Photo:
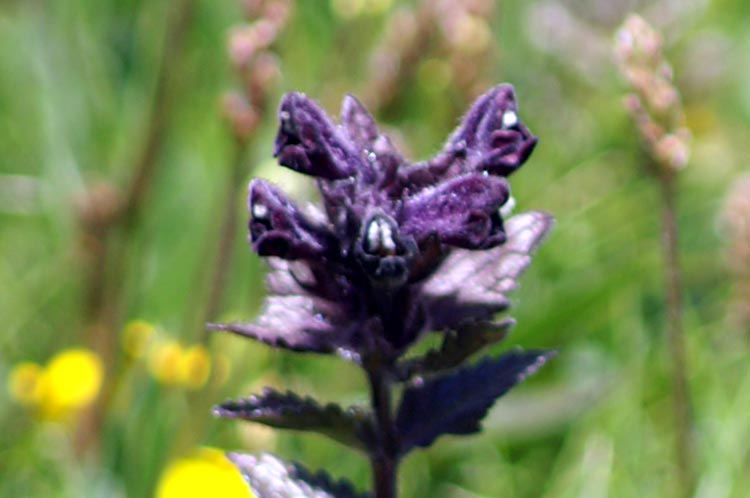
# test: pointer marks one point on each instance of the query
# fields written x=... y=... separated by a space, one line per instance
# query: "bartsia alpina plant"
x=398 y=250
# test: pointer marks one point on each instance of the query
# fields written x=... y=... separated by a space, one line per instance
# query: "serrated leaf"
x=471 y=286
x=457 y=346
x=298 y=323
x=455 y=403
x=350 y=426
x=271 y=477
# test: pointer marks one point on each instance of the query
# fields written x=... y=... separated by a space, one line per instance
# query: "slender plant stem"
x=676 y=335
x=194 y=425
x=227 y=236
x=385 y=460
x=180 y=17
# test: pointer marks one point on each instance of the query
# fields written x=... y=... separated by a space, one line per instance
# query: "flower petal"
x=377 y=149
x=279 y=228
x=492 y=134
x=491 y=138
x=462 y=211
x=358 y=122
x=308 y=142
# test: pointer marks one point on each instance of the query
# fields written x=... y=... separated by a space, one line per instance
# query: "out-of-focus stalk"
x=450 y=39
x=257 y=67
x=108 y=219
x=656 y=109
x=735 y=222
x=258 y=70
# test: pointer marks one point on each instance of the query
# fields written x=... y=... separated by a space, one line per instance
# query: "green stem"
x=106 y=271
x=227 y=235
x=676 y=334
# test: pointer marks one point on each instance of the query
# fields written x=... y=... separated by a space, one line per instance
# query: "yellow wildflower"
x=70 y=381
x=165 y=363
x=195 y=367
x=136 y=337
x=207 y=472
x=23 y=383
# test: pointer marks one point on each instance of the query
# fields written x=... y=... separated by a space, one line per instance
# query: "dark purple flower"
x=399 y=249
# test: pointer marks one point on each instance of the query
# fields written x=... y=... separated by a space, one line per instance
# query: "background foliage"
x=77 y=85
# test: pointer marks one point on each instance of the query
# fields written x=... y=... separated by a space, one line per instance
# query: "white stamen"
x=380 y=236
x=386 y=237
x=371 y=157
x=510 y=119
x=507 y=208
x=260 y=211
x=373 y=235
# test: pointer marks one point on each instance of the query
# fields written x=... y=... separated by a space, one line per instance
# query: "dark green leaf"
x=350 y=426
x=455 y=403
x=456 y=347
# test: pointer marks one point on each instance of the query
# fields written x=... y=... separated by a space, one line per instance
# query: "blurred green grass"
x=76 y=80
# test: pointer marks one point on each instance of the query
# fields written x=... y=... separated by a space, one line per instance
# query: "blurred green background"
x=83 y=105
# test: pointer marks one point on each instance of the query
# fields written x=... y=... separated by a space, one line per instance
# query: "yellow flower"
x=207 y=472
x=23 y=383
x=165 y=363
x=136 y=337
x=70 y=381
x=174 y=365
x=195 y=367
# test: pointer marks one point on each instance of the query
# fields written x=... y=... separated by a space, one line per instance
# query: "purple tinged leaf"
x=297 y=323
x=471 y=286
x=461 y=211
x=309 y=143
x=351 y=427
x=270 y=477
x=457 y=347
x=455 y=403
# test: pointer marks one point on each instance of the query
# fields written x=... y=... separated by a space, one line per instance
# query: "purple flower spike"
x=398 y=248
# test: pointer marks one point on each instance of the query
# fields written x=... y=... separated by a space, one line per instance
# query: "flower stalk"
x=385 y=460
x=657 y=111
x=250 y=47
x=676 y=333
